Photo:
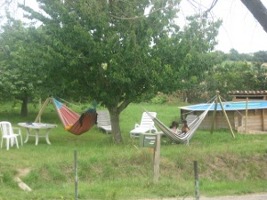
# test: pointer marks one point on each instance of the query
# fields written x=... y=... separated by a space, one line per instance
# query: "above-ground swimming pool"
x=229 y=105
x=244 y=116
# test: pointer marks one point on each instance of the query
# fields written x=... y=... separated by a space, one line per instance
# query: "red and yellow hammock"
x=72 y=121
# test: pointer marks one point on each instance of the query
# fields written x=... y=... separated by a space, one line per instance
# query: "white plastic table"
x=34 y=130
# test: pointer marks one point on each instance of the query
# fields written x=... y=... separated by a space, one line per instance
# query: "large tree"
x=110 y=49
x=22 y=63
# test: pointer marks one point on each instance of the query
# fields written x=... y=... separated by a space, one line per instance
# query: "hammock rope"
x=208 y=102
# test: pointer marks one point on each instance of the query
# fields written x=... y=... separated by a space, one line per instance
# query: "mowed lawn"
x=125 y=171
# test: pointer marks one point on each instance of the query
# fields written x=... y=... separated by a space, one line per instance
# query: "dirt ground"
x=260 y=196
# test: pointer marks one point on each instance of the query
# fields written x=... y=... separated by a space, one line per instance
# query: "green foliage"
x=114 y=56
x=260 y=56
x=24 y=58
x=159 y=99
x=239 y=75
x=187 y=57
x=15 y=77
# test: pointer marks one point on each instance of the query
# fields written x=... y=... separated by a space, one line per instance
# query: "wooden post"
x=214 y=116
x=246 y=119
x=225 y=115
x=156 y=159
x=262 y=120
x=196 y=180
x=76 y=175
x=38 y=117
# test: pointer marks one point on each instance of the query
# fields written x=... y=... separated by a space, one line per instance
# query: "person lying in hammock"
x=174 y=127
x=185 y=127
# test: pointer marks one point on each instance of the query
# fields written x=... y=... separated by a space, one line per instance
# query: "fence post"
x=196 y=180
x=76 y=174
x=156 y=159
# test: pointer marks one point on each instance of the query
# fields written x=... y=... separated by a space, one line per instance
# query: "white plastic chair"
x=8 y=134
x=146 y=125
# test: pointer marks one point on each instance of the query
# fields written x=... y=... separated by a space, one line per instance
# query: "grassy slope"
x=108 y=171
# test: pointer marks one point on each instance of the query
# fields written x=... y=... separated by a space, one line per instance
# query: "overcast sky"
x=240 y=30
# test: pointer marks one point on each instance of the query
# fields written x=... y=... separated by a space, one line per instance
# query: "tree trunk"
x=258 y=10
x=115 y=124
x=24 y=107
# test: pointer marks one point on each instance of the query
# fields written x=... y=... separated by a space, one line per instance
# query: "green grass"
x=108 y=171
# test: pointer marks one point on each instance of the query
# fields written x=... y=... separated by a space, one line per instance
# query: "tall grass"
x=110 y=171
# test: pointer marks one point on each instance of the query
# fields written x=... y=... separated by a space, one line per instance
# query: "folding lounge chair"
x=103 y=121
x=146 y=125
